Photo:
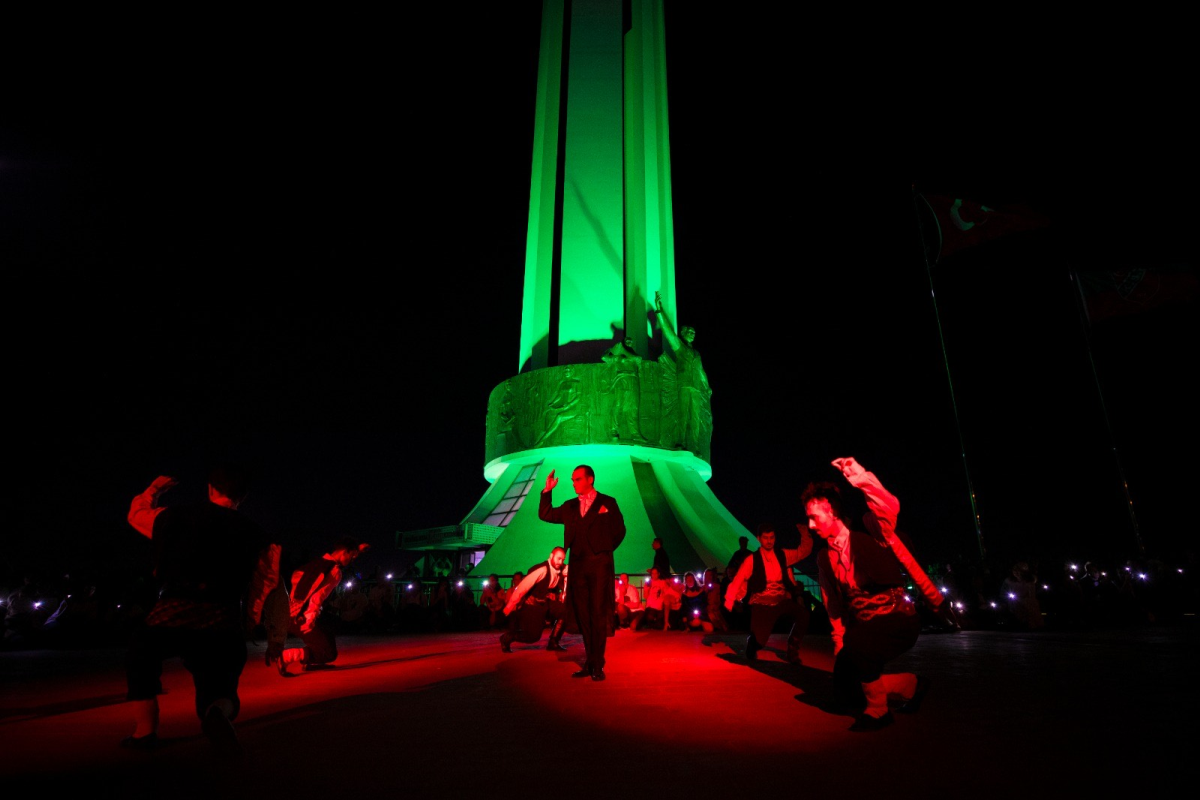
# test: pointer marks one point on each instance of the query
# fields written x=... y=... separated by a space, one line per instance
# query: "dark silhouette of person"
x=739 y=555
x=208 y=558
x=662 y=560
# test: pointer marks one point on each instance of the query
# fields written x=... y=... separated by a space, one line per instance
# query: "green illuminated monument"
x=604 y=378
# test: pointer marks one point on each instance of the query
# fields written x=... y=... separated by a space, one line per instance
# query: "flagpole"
x=1086 y=324
x=917 y=197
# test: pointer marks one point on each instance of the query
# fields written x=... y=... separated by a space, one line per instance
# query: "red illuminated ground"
x=450 y=715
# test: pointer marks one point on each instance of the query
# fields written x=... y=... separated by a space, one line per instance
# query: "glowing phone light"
x=410 y=586
x=993 y=605
x=460 y=583
x=1012 y=596
x=1044 y=586
x=1073 y=568
x=945 y=590
x=389 y=576
x=695 y=612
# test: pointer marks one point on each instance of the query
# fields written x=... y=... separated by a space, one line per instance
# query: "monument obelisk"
x=604 y=378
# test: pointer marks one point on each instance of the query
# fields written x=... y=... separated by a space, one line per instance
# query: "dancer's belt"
x=889 y=601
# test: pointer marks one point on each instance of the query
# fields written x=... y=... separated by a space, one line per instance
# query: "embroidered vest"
x=758 y=578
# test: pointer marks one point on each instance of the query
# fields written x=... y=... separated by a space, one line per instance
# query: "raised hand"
x=848 y=467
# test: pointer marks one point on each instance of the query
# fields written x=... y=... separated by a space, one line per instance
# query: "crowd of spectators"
x=40 y=610
x=1025 y=595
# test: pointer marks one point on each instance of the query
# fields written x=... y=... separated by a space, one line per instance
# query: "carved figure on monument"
x=694 y=396
x=561 y=410
x=508 y=435
x=625 y=387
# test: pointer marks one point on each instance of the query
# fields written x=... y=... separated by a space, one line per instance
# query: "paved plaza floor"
x=449 y=715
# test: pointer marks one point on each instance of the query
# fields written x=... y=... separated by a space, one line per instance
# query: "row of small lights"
x=350 y=583
x=958 y=605
x=1046 y=587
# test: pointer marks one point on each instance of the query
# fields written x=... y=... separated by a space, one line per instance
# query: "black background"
x=300 y=240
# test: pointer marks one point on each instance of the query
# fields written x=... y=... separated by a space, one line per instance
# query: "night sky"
x=301 y=242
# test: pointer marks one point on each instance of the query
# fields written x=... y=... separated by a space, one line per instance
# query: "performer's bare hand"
x=848 y=467
x=551 y=481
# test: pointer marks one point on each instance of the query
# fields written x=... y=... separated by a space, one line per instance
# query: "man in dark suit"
x=592 y=529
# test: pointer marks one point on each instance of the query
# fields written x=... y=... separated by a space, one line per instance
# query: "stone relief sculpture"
x=623 y=399
x=624 y=384
x=692 y=393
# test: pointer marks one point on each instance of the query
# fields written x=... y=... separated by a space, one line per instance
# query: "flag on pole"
x=959 y=223
x=1109 y=293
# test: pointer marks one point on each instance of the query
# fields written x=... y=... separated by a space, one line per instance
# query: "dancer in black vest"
x=771 y=591
x=872 y=617
x=312 y=585
x=538 y=597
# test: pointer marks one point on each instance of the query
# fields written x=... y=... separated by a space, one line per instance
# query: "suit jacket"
x=598 y=533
